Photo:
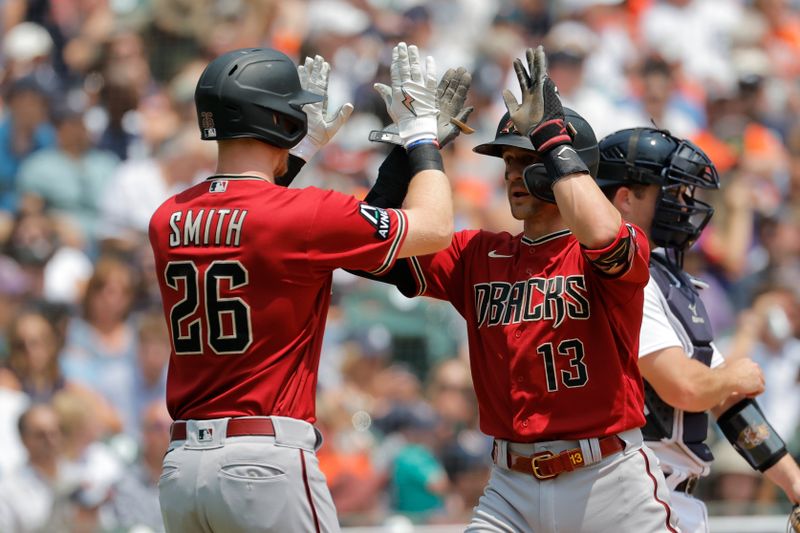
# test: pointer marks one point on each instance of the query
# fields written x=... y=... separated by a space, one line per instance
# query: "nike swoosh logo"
x=494 y=254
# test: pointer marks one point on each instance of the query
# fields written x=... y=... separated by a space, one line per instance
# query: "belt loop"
x=590 y=448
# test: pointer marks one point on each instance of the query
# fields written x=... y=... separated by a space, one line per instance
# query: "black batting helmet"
x=252 y=92
x=584 y=140
x=538 y=184
x=650 y=156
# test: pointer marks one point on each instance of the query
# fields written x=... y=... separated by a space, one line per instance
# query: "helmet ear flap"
x=537 y=183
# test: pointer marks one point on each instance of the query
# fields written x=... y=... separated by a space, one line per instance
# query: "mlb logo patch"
x=205 y=434
x=218 y=186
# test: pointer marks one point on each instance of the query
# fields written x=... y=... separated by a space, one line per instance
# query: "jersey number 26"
x=226 y=321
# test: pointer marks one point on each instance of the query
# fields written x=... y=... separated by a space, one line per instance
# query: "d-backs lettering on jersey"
x=553 y=341
x=244 y=268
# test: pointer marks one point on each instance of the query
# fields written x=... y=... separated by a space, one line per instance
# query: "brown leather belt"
x=547 y=465
x=237 y=427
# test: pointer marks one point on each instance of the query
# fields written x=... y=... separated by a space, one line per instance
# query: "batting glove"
x=451 y=95
x=411 y=100
x=540 y=115
x=314 y=78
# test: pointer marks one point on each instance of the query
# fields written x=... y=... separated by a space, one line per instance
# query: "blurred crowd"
x=97 y=128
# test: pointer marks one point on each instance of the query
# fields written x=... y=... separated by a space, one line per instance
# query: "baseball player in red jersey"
x=553 y=318
x=245 y=265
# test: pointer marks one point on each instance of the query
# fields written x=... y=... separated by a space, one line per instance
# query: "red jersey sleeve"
x=347 y=233
x=441 y=275
x=626 y=259
x=632 y=252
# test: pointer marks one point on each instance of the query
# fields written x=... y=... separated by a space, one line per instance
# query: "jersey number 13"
x=224 y=323
x=576 y=376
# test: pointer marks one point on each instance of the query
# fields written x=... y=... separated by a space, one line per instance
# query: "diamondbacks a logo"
x=408 y=101
x=509 y=127
x=207 y=123
x=378 y=218
x=218 y=186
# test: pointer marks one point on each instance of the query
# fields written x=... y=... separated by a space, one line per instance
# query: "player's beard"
x=283 y=165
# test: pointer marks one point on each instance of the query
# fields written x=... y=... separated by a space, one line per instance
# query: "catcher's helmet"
x=650 y=156
x=252 y=92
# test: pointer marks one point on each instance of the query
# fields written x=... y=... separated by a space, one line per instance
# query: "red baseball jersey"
x=244 y=268
x=553 y=341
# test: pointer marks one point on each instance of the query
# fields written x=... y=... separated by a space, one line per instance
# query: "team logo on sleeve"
x=378 y=219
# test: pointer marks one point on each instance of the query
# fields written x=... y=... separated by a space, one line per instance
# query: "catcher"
x=652 y=177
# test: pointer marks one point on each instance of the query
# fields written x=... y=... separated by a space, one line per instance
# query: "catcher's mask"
x=255 y=93
x=651 y=156
x=536 y=181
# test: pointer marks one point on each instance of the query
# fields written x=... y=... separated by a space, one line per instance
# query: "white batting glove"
x=411 y=100
x=314 y=78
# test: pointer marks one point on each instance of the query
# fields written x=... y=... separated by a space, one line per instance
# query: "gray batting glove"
x=451 y=95
x=314 y=78
x=411 y=100
x=540 y=115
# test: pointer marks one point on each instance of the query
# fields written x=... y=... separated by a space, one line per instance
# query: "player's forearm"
x=697 y=392
x=786 y=474
x=592 y=218
x=429 y=209
x=707 y=391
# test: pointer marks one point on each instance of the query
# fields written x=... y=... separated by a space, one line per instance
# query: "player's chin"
x=521 y=205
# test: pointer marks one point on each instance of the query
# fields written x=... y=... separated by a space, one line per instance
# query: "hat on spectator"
x=337 y=17
x=751 y=66
x=569 y=42
x=27 y=41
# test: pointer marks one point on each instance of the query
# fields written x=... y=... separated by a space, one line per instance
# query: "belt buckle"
x=535 y=464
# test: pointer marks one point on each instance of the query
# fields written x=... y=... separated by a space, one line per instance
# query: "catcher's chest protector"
x=685 y=304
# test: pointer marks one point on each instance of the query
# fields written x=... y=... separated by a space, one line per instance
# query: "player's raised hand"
x=411 y=100
x=314 y=75
x=540 y=114
x=451 y=95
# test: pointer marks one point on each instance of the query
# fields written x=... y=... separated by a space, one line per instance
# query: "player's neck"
x=543 y=223
x=250 y=157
